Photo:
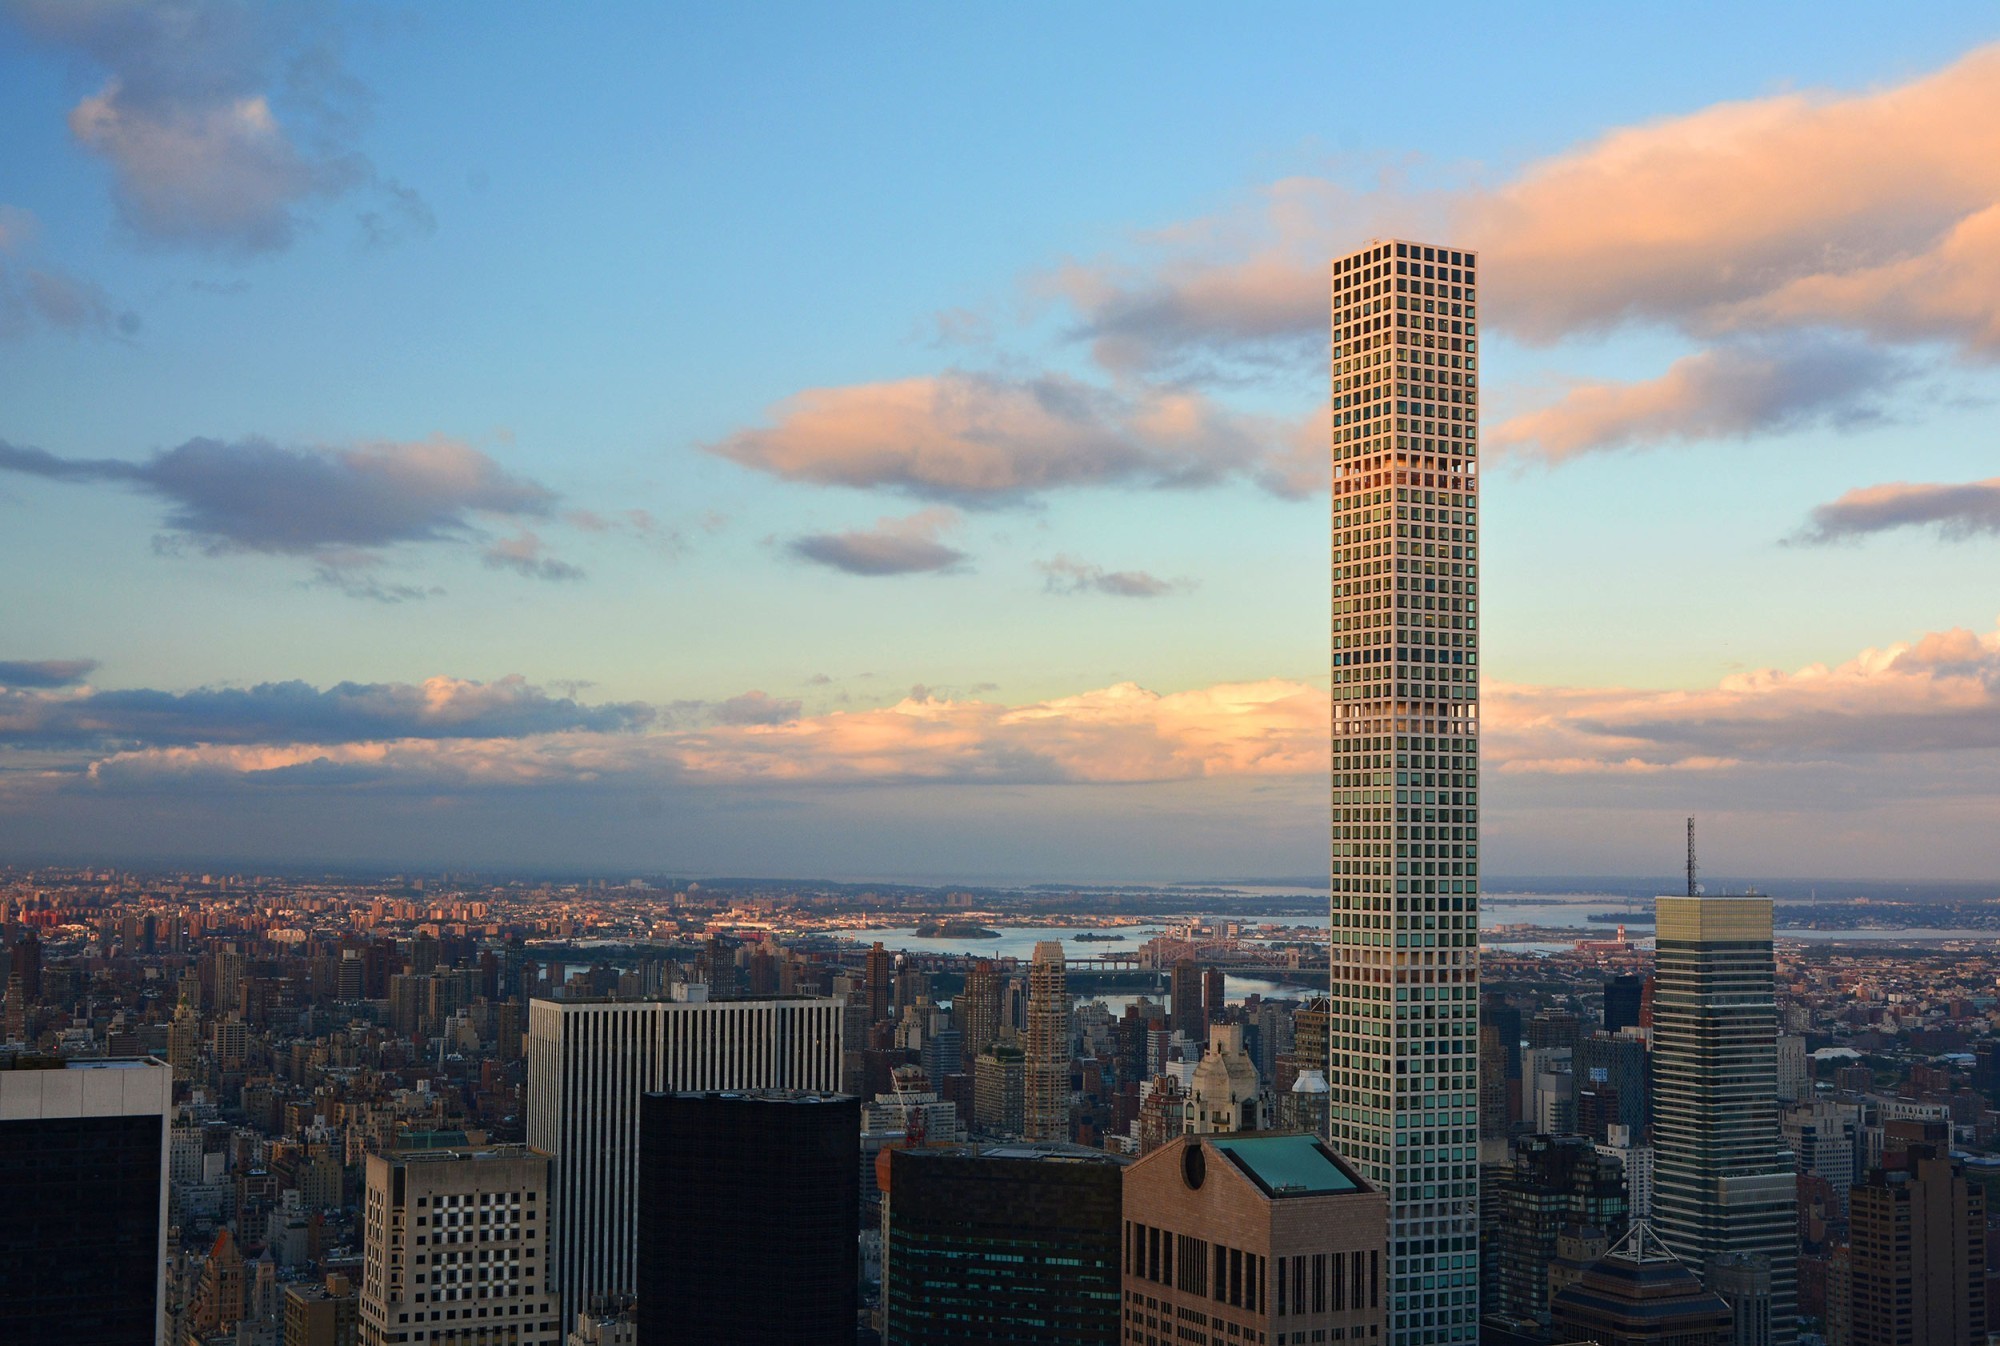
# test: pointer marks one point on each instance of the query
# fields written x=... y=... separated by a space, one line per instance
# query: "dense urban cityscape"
x=837 y=1103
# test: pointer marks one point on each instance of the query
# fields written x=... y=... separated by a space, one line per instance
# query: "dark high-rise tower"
x=748 y=1205
x=1039 y=1226
x=1405 y=973
x=1723 y=1181
x=1623 y=998
x=83 y=1200
x=1184 y=990
x=877 y=983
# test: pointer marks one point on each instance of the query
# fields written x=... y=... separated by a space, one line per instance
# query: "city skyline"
x=428 y=449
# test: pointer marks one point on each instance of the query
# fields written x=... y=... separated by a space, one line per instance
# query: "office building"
x=1794 y=1070
x=1640 y=1294
x=1623 y=997
x=748 y=1205
x=1722 y=1180
x=1743 y=1282
x=1555 y=1183
x=1405 y=905
x=322 y=1313
x=1045 y=1106
x=877 y=983
x=1635 y=1161
x=455 y=1248
x=1184 y=996
x=977 y=1009
x=1917 y=1255
x=1251 y=1238
x=1617 y=1066
x=998 y=1088
x=1038 y=1223
x=590 y=1061
x=1826 y=1141
x=83 y=1199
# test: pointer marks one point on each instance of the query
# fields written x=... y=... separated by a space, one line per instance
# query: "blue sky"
x=590 y=250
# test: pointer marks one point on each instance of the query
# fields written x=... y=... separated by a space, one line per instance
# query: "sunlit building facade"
x=1404 y=1028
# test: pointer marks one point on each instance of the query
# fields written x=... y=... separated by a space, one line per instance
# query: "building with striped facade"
x=589 y=1064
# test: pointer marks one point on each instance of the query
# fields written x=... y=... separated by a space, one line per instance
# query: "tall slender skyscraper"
x=1723 y=1180
x=1404 y=1027
x=1046 y=1105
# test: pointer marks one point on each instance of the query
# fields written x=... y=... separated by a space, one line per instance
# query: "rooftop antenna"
x=1694 y=889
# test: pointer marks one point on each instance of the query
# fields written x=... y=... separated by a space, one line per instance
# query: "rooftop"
x=1288 y=1165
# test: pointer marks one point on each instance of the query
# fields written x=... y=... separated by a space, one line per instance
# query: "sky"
x=889 y=441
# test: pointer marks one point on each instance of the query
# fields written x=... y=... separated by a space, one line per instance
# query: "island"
x=1096 y=937
x=955 y=930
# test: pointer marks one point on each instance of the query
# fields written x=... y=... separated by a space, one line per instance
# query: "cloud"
x=222 y=123
x=525 y=555
x=1743 y=389
x=18 y=673
x=1760 y=225
x=1958 y=512
x=978 y=439
x=1795 y=209
x=280 y=714
x=33 y=295
x=756 y=708
x=905 y=546
x=1917 y=703
x=1117 y=735
x=1068 y=575
x=1939 y=694
x=338 y=506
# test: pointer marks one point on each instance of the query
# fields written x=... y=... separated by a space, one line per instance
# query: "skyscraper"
x=1258 y=1238
x=1184 y=1001
x=1623 y=995
x=978 y=1010
x=83 y=1199
x=1556 y=1183
x=1011 y=1246
x=878 y=983
x=589 y=1061
x=748 y=1206
x=455 y=1240
x=1405 y=975
x=1918 y=1259
x=1045 y=1106
x=1723 y=1180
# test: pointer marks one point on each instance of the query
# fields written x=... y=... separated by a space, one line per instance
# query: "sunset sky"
x=868 y=441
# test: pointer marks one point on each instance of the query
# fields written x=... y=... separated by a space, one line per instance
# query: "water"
x=1016 y=941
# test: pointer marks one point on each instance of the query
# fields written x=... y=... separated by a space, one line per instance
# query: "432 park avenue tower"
x=1404 y=1036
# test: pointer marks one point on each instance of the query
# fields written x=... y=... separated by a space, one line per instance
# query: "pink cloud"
x=973 y=437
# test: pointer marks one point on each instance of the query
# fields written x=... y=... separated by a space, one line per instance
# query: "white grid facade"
x=1404 y=1031
x=588 y=1064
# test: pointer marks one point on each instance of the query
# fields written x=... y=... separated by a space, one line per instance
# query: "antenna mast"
x=1694 y=889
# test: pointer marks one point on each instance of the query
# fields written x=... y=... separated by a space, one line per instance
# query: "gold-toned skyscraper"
x=1404 y=1015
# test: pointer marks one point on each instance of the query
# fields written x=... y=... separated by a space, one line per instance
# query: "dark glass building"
x=1013 y=1244
x=83 y=1200
x=1624 y=1000
x=749 y=1206
x=1556 y=1183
